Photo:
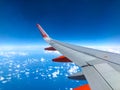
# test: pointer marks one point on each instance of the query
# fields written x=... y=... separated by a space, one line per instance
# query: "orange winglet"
x=84 y=87
x=44 y=34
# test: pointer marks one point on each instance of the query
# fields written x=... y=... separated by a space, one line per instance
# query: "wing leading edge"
x=99 y=67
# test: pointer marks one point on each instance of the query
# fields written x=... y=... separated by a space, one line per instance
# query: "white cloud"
x=27 y=73
x=114 y=49
x=42 y=59
x=49 y=76
x=73 y=69
x=36 y=71
x=22 y=53
x=50 y=69
x=9 y=78
x=4 y=81
x=2 y=78
x=51 y=52
x=12 y=53
x=18 y=66
x=54 y=74
x=21 y=47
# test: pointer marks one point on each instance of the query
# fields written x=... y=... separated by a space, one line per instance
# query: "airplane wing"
x=100 y=68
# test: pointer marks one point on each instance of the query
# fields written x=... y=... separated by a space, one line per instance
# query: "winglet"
x=43 y=33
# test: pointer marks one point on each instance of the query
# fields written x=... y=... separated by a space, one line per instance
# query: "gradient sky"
x=82 y=21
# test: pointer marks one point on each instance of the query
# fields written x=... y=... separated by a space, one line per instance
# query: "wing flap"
x=94 y=79
x=111 y=76
x=77 y=76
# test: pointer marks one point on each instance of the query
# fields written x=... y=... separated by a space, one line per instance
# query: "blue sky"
x=80 y=21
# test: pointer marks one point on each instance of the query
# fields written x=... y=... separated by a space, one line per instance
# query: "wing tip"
x=37 y=24
x=43 y=33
